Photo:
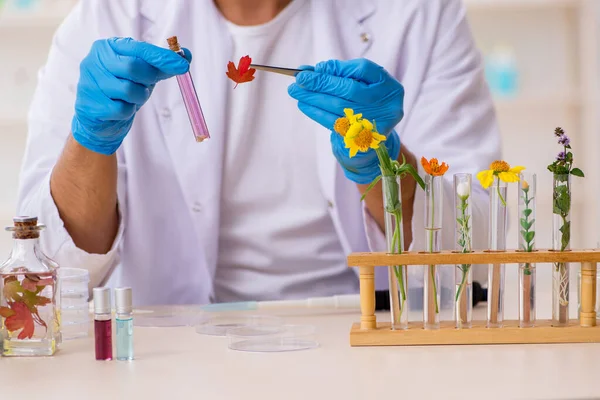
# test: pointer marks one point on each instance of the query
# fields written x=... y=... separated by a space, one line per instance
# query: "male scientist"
x=269 y=207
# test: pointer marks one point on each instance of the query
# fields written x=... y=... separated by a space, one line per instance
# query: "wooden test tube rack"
x=370 y=333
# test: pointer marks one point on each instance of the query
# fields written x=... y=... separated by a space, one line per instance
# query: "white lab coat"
x=169 y=186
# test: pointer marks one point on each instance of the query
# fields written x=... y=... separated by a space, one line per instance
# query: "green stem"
x=396 y=248
x=528 y=248
x=499 y=194
x=465 y=271
x=398 y=216
x=464 y=232
x=431 y=234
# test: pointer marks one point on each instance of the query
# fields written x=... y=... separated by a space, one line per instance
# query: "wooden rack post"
x=367 y=298
x=370 y=333
x=587 y=315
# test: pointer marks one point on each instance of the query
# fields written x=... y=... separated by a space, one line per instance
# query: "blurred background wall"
x=542 y=62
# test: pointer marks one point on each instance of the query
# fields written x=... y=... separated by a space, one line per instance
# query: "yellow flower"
x=362 y=137
x=342 y=125
x=502 y=170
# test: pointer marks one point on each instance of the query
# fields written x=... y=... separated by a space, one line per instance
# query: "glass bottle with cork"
x=29 y=295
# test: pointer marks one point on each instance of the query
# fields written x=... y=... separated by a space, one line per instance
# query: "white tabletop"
x=179 y=363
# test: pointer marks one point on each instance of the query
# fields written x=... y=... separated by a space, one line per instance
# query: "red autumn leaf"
x=6 y=312
x=243 y=73
x=21 y=319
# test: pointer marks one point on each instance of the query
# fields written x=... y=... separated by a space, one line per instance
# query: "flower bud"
x=462 y=190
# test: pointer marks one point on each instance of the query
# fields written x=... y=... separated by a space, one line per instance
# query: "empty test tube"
x=190 y=98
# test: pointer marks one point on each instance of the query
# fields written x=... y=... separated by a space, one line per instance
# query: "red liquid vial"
x=103 y=323
x=103 y=338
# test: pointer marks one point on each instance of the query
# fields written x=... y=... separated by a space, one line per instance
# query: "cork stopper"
x=25 y=227
x=173 y=43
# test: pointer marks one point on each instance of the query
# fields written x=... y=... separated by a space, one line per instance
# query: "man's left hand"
x=323 y=92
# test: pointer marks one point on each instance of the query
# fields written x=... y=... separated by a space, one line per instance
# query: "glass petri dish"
x=221 y=324
x=272 y=339
x=166 y=317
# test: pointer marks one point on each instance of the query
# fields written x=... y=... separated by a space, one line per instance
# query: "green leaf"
x=562 y=200
x=566 y=235
x=526 y=224
x=371 y=186
x=12 y=290
x=562 y=174
x=391 y=194
x=529 y=236
x=527 y=212
x=577 y=172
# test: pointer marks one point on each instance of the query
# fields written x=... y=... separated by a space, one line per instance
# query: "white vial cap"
x=102 y=300
x=123 y=300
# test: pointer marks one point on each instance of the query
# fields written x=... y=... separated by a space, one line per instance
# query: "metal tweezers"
x=277 y=70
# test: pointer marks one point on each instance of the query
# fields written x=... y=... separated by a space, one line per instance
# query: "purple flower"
x=564 y=140
x=561 y=156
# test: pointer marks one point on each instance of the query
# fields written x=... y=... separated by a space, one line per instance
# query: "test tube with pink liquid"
x=190 y=98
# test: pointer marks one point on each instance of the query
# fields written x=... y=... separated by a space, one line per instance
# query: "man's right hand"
x=116 y=79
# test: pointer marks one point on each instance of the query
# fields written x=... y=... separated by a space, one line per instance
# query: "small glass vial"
x=103 y=323
x=124 y=308
x=190 y=97
x=29 y=304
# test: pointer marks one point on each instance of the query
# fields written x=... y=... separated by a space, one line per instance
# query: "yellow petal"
x=375 y=144
x=379 y=137
x=353 y=151
x=367 y=124
x=486 y=178
x=349 y=112
x=508 y=177
x=354 y=130
x=348 y=141
x=516 y=169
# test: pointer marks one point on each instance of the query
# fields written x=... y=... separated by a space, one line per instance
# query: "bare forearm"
x=374 y=200
x=84 y=188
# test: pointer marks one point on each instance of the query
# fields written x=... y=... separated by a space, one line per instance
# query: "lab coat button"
x=364 y=37
x=330 y=204
x=197 y=207
x=166 y=113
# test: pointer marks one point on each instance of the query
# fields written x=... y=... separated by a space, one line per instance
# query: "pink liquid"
x=192 y=105
x=103 y=339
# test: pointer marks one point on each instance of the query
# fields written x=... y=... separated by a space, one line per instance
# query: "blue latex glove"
x=325 y=90
x=116 y=79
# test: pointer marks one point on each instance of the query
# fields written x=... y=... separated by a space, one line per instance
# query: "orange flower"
x=432 y=167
